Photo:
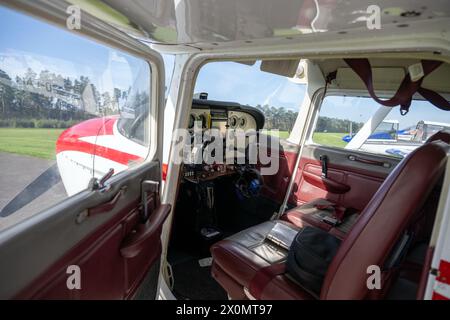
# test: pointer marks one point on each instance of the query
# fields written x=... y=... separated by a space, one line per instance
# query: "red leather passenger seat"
x=239 y=260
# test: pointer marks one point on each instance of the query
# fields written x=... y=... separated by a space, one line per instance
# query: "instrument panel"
x=222 y=115
x=222 y=120
x=201 y=116
x=205 y=172
x=241 y=120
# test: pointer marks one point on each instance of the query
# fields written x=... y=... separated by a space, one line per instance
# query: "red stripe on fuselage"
x=108 y=153
x=69 y=140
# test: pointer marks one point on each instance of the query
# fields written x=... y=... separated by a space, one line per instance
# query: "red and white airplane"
x=91 y=148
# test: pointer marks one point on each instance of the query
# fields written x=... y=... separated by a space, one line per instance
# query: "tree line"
x=283 y=120
x=49 y=100
x=326 y=124
x=278 y=118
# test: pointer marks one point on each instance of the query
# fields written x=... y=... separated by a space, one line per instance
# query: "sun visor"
x=286 y=68
x=384 y=79
x=247 y=62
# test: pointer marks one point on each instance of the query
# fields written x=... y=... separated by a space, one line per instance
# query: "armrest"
x=326 y=183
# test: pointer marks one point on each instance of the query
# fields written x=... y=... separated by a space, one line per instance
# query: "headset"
x=249 y=183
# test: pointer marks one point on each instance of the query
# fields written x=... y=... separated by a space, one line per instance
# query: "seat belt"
x=407 y=89
x=399 y=252
x=276 y=215
x=435 y=98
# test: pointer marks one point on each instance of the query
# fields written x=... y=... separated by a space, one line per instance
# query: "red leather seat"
x=239 y=259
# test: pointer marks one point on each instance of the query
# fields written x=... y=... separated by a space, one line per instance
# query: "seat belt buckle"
x=331 y=221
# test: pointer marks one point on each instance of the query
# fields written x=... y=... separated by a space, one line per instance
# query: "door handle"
x=102 y=208
x=107 y=206
x=369 y=161
x=135 y=242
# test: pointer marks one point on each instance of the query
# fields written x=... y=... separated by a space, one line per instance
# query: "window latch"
x=97 y=184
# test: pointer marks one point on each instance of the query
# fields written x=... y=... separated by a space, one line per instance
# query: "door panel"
x=362 y=187
x=94 y=245
x=102 y=272
x=362 y=177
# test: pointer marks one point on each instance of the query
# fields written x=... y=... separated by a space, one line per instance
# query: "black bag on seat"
x=309 y=256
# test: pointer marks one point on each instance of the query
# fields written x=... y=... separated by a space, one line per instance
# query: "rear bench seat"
x=247 y=265
x=321 y=213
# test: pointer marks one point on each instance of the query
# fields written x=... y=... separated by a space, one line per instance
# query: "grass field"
x=41 y=142
x=280 y=134
x=31 y=142
x=329 y=139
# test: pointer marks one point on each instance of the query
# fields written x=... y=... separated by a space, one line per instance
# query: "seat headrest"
x=442 y=135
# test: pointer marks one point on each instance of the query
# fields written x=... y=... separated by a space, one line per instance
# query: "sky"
x=28 y=42
x=246 y=84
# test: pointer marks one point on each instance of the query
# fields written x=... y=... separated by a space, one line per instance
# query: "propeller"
x=35 y=189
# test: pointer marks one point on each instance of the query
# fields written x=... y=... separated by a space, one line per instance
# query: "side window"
x=360 y=123
x=339 y=119
x=277 y=96
x=71 y=109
